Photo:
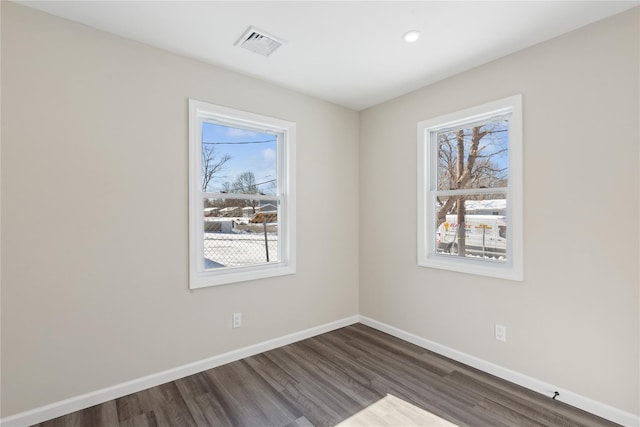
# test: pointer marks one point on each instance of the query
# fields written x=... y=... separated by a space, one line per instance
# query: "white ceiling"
x=346 y=52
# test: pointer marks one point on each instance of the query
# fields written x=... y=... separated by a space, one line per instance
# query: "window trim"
x=200 y=111
x=512 y=268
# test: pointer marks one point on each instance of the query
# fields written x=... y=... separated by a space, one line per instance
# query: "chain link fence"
x=237 y=242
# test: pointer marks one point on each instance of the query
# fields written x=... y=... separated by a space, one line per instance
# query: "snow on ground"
x=237 y=249
x=474 y=205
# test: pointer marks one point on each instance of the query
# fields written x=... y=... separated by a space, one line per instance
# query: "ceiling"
x=346 y=52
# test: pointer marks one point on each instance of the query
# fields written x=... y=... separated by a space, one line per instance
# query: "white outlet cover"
x=237 y=320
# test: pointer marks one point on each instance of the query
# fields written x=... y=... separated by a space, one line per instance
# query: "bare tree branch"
x=211 y=165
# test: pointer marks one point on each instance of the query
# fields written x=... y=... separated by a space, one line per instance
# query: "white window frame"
x=427 y=256
x=199 y=277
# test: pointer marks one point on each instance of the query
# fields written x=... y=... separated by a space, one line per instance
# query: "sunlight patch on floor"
x=393 y=411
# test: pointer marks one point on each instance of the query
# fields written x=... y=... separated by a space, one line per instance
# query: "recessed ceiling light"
x=411 y=36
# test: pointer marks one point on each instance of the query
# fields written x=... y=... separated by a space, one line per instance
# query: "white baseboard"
x=77 y=403
x=597 y=408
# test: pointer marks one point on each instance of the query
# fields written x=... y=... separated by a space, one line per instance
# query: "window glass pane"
x=236 y=160
x=240 y=235
x=473 y=226
x=473 y=156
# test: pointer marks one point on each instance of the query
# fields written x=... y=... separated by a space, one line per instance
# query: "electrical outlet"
x=237 y=320
x=501 y=332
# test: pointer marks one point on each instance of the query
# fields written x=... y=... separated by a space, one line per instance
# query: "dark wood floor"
x=355 y=376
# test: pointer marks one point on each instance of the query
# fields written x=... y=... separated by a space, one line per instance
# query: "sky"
x=493 y=146
x=249 y=151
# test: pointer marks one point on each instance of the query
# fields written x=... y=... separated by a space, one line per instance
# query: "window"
x=470 y=190
x=241 y=195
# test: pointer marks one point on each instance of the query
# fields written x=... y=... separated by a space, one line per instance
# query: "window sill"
x=498 y=270
x=241 y=274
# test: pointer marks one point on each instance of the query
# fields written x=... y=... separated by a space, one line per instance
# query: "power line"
x=238 y=142
x=265 y=182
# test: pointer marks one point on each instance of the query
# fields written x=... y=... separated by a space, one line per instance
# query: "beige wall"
x=94 y=213
x=573 y=322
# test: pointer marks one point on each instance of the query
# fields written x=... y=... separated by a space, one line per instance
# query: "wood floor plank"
x=249 y=396
x=142 y=420
x=461 y=413
x=300 y=422
x=306 y=396
x=105 y=414
x=164 y=401
x=329 y=403
x=393 y=411
x=205 y=407
x=333 y=371
x=514 y=410
x=354 y=376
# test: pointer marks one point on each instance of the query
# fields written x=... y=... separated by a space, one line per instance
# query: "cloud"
x=269 y=155
x=235 y=132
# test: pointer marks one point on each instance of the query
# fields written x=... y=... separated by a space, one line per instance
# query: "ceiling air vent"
x=259 y=42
